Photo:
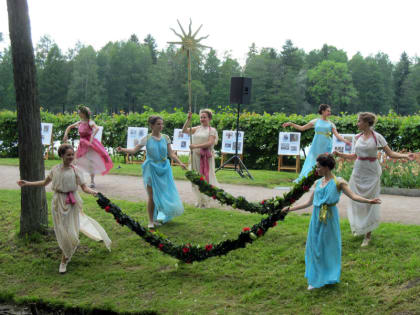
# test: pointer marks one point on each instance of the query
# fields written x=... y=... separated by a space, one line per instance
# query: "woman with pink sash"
x=365 y=179
x=66 y=206
x=91 y=155
x=204 y=138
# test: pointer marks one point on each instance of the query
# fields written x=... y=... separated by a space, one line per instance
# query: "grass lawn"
x=267 y=277
x=262 y=178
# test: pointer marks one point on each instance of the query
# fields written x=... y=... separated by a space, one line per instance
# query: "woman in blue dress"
x=323 y=244
x=163 y=198
x=322 y=142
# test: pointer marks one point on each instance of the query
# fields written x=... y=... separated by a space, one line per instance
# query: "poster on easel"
x=343 y=147
x=180 y=141
x=98 y=135
x=46 y=133
x=289 y=143
x=134 y=136
x=229 y=142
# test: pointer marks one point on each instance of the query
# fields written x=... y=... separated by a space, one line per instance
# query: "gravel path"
x=394 y=208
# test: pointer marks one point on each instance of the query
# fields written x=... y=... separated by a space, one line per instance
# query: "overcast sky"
x=368 y=26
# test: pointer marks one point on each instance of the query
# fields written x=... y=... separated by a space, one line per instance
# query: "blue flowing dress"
x=321 y=143
x=157 y=173
x=323 y=244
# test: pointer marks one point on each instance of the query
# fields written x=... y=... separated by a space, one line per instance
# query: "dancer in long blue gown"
x=323 y=244
x=322 y=142
x=164 y=202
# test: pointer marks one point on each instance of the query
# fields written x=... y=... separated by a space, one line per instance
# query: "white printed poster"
x=181 y=141
x=289 y=143
x=134 y=136
x=98 y=135
x=46 y=133
x=229 y=142
x=343 y=147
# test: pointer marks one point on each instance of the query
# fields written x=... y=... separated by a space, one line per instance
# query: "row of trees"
x=128 y=75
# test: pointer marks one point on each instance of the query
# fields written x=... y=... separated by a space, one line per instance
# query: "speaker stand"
x=240 y=167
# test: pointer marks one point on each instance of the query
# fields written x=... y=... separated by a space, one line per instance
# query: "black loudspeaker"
x=240 y=90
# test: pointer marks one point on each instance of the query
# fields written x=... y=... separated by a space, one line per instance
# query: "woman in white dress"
x=66 y=206
x=204 y=138
x=365 y=179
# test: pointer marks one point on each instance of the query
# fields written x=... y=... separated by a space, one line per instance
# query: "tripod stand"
x=239 y=166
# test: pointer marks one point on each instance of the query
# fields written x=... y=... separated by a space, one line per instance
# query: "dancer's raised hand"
x=375 y=201
x=22 y=183
x=286 y=124
x=411 y=156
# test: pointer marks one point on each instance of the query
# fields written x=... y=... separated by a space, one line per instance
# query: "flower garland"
x=267 y=206
x=189 y=253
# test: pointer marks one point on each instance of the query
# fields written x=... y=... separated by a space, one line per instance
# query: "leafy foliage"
x=261 y=131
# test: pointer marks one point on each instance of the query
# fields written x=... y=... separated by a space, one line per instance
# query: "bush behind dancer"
x=365 y=179
x=66 y=206
x=322 y=141
x=163 y=202
x=323 y=244
x=91 y=155
x=204 y=138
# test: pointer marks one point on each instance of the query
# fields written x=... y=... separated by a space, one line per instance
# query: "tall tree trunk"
x=34 y=210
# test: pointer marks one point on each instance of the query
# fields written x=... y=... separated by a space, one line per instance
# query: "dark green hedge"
x=261 y=131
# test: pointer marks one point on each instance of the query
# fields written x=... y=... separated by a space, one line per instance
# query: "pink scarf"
x=205 y=154
x=70 y=198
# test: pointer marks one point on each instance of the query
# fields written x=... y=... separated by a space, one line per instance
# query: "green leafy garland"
x=190 y=253
x=267 y=206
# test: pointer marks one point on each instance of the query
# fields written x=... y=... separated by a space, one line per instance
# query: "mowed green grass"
x=262 y=178
x=266 y=277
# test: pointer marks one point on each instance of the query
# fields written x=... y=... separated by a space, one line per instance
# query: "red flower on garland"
x=292 y=200
x=202 y=178
x=274 y=224
x=305 y=188
x=161 y=246
x=209 y=247
x=263 y=202
x=214 y=197
x=246 y=229
x=116 y=220
x=186 y=250
x=260 y=232
x=107 y=208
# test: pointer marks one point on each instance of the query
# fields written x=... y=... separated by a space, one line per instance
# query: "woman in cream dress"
x=365 y=179
x=204 y=138
x=66 y=206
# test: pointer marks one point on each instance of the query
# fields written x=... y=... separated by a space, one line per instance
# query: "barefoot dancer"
x=323 y=244
x=164 y=202
x=91 y=155
x=66 y=206
x=322 y=142
x=365 y=179
x=204 y=138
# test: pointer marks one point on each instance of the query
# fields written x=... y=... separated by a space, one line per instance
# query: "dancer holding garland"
x=204 y=138
x=322 y=142
x=164 y=202
x=91 y=155
x=365 y=179
x=323 y=244
x=66 y=206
